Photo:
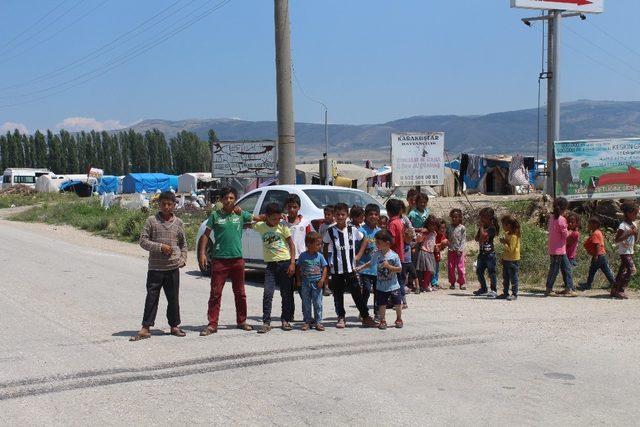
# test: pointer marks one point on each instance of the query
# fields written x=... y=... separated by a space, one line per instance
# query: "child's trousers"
x=487 y=262
x=170 y=282
x=602 y=264
x=625 y=272
x=560 y=263
x=455 y=267
x=311 y=299
x=510 y=277
x=276 y=273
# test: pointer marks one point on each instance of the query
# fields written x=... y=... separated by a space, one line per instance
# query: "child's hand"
x=237 y=210
x=386 y=265
x=166 y=249
x=182 y=264
x=291 y=271
x=503 y=240
x=320 y=284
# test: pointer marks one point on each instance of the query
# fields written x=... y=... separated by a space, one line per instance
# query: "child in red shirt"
x=441 y=243
x=595 y=247
x=573 y=224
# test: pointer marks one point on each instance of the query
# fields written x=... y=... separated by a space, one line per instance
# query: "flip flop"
x=139 y=337
x=208 y=331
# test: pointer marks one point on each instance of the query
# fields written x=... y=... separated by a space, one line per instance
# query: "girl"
x=558 y=232
x=455 y=258
x=426 y=262
x=383 y=222
x=441 y=244
x=573 y=223
x=510 y=257
x=488 y=228
x=626 y=240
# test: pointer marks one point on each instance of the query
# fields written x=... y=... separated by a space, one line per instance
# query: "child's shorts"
x=409 y=271
x=385 y=297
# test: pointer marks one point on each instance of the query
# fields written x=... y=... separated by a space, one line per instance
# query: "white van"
x=22 y=176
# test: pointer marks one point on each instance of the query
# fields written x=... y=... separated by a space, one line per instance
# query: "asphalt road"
x=68 y=305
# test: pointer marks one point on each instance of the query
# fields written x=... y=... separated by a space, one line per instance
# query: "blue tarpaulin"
x=107 y=184
x=149 y=182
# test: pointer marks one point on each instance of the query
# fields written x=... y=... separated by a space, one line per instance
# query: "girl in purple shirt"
x=558 y=232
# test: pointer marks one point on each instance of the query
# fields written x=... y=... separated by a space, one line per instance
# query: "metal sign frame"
x=580 y=6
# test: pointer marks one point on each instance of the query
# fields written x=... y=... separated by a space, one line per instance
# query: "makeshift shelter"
x=107 y=184
x=194 y=181
x=450 y=188
x=148 y=182
x=307 y=173
x=49 y=183
x=82 y=189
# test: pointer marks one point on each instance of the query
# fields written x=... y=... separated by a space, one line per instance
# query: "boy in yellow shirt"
x=510 y=257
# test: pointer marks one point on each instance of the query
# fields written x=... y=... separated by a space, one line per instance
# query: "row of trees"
x=117 y=153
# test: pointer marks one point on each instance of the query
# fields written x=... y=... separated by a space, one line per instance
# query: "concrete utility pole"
x=553 y=97
x=286 y=124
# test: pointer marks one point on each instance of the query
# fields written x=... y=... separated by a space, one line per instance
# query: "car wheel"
x=206 y=272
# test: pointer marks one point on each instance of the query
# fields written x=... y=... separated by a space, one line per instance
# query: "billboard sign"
x=244 y=159
x=417 y=158
x=598 y=169
x=582 y=6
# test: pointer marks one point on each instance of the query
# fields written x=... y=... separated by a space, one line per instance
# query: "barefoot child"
x=557 y=245
x=455 y=256
x=488 y=229
x=388 y=267
x=510 y=257
x=311 y=273
x=626 y=239
x=163 y=236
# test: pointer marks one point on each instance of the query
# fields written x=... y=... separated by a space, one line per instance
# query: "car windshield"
x=322 y=198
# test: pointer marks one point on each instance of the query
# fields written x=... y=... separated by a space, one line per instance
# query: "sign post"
x=417 y=158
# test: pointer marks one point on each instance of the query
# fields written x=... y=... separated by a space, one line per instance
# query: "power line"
x=26 y=30
x=620 y=42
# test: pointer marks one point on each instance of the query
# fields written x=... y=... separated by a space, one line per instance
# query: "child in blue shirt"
x=388 y=267
x=369 y=230
x=311 y=274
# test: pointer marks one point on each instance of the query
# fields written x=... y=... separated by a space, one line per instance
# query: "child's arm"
x=292 y=251
x=147 y=243
x=363 y=247
x=363 y=266
x=323 y=279
x=182 y=244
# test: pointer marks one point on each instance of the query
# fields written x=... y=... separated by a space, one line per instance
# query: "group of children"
x=357 y=250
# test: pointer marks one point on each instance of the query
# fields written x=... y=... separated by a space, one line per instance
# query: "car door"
x=251 y=242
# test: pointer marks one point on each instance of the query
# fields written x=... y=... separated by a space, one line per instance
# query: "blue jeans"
x=487 y=262
x=276 y=273
x=602 y=264
x=436 y=275
x=368 y=282
x=311 y=298
x=510 y=276
x=560 y=263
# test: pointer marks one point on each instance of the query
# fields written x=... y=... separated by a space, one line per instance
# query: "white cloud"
x=75 y=124
x=11 y=126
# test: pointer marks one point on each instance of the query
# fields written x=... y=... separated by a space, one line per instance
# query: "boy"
x=595 y=247
x=311 y=273
x=163 y=236
x=368 y=275
x=298 y=225
x=322 y=230
x=396 y=228
x=388 y=268
x=340 y=241
x=279 y=254
x=626 y=239
x=227 y=226
x=356 y=215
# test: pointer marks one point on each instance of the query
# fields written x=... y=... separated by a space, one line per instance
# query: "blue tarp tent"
x=149 y=182
x=107 y=184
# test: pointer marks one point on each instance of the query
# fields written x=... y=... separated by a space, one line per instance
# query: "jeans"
x=220 y=270
x=560 y=263
x=348 y=282
x=510 y=276
x=600 y=263
x=455 y=264
x=436 y=275
x=627 y=268
x=368 y=282
x=403 y=289
x=311 y=298
x=170 y=282
x=276 y=273
x=487 y=262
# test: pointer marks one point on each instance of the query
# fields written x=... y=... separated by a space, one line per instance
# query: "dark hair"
x=329 y=208
x=513 y=223
x=167 y=195
x=293 y=198
x=356 y=211
x=384 y=236
x=371 y=207
x=394 y=207
x=384 y=218
x=573 y=216
x=422 y=196
x=455 y=211
x=226 y=190
x=412 y=193
x=559 y=205
x=343 y=207
x=431 y=220
x=273 y=208
x=491 y=214
x=595 y=220
x=312 y=237
x=629 y=207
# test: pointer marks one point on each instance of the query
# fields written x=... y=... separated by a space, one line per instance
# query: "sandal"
x=264 y=328
x=177 y=332
x=320 y=327
x=286 y=326
x=245 y=327
x=208 y=331
x=382 y=326
x=139 y=337
x=305 y=327
x=399 y=324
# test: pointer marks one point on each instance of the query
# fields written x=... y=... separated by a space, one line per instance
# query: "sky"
x=105 y=64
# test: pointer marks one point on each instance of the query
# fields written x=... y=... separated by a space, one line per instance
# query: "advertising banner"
x=417 y=158
x=598 y=169
x=244 y=159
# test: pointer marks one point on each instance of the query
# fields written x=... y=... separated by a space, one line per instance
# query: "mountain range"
x=507 y=132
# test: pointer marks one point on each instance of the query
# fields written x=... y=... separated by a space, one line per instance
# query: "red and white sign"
x=583 y=6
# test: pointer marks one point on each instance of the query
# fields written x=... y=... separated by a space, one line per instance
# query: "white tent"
x=49 y=183
x=345 y=170
x=188 y=182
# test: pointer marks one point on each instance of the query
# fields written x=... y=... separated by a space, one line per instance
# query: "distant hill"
x=505 y=133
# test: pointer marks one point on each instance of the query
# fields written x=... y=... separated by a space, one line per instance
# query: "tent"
x=193 y=181
x=107 y=184
x=49 y=183
x=82 y=189
x=305 y=173
x=148 y=182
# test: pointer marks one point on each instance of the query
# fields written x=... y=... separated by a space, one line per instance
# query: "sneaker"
x=264 y=328
x=320 y=327
x=340 y=324
x=369 y=323
x=480 y=292
x=503 y=296
x=491 y=294
x=305 y=327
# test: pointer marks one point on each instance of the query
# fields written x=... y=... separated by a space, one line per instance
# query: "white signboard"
x=244 y=159
x=417 y=158
x=584 y=6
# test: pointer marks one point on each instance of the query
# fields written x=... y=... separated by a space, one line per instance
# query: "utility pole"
x=327 y=180
x=286 y=124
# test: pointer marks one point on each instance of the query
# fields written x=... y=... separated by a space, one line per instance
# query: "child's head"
x=560 y=206
x=403 y=209
x=442 y=226
x=456 y=216
x=630 y=211
x=167 y=202
x=488 y=218
x=422 y=200
x=394 y=207
x=432 y=223
x=510 y=224
x=328 y=214
x=411 y=197
x=594 y=223
x=356 y=214
x=274 y=214
x=372 y=214
x=228 y=197
x=293 y=205
x=573 y=221
x=383 y=221
x=313 y=241
x=384 y=240
x=340 y=214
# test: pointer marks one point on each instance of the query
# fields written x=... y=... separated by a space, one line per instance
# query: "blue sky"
x=370 y=61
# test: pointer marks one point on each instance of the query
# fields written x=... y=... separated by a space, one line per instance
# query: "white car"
x=313 y=199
